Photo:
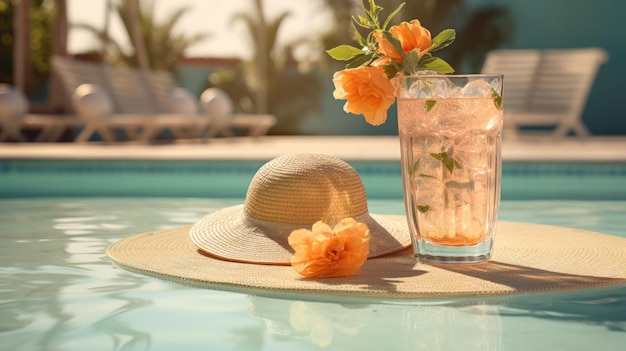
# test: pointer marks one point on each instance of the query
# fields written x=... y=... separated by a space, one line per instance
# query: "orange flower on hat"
x=411 y=36
x=367 y=90
x=324 y=252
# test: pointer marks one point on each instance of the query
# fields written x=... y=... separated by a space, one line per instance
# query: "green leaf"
x=395 y=12
x=423 y=208
x=391 y=70
x=423 y=175
x=395 y=42
x=363 y=22
x=497 y=99
x=359 y=61
x=443 y=39
x=414 y=168
x=429 y=104
x=411 y=61
x=359 y=37
x=447 y=161
x=344 y=52
x=438 y=156
x=370 y=13
x=436 y=64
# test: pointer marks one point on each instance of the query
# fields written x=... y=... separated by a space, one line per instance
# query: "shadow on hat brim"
x=231 y=235
x=528 y=258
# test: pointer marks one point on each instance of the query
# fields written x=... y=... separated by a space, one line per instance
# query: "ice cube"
x=427 y=72
x=443 y=88
x=473 y=150
x=447 y=117
x=476 y=89
x=418 y=88
x=479 y=202
x=428 y=191
x=429 y=87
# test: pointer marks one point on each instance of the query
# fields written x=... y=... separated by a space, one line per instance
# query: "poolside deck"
x=607 y=149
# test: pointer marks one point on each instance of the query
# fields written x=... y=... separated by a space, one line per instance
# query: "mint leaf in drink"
x=429 y=104
x=414 y=168
x=438 y=156
x=447 y=161
x=497 y=99
x=423 y=208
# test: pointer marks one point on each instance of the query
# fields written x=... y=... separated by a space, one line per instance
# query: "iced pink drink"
x=450 y=149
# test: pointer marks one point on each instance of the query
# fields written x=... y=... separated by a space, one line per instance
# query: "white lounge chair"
x=219 y=109
x=13 y=107
x=142 y=103
x=15 y=119
x=95 y=108
x=545 y=87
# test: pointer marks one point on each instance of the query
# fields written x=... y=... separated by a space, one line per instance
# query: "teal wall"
x=542 y=24
x=554 y=24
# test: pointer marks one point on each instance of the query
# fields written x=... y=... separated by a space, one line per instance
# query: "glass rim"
x=469 y=75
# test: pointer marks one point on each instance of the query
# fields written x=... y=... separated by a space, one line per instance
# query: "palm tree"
x=267 y=83
x=163 y=48
x=263 y=35
x=39 y=30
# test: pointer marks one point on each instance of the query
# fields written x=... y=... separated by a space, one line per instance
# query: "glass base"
x=446 y=254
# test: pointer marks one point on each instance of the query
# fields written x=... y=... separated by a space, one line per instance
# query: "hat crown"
x=305 y=188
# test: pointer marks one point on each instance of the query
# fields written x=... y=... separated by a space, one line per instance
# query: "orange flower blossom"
x=411 y=36
x=324 y=252
x=367 y=91
x=405 y=48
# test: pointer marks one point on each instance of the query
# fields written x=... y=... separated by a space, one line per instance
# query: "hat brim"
x=231 y=235
x=528 y=258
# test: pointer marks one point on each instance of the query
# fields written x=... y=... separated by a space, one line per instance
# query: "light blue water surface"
x=59 y=291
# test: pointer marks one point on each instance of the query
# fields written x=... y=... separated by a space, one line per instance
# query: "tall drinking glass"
x=450 y=130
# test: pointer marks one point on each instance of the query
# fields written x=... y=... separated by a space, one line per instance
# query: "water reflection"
x=474 y=327
x=56 y=279
x=123 y=335
x=60 y=292
x=603 y=307
x=319 y=325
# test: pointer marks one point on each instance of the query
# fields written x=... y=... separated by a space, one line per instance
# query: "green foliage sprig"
x=369 y=52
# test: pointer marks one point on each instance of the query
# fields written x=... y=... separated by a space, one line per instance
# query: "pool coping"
x=377 y=148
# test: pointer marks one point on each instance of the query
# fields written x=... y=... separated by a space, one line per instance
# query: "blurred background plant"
x=478 y=30
x=270 y=80
x=163 y=47
x=41 y=17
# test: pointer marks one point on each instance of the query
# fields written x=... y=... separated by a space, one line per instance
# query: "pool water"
x=59 y=291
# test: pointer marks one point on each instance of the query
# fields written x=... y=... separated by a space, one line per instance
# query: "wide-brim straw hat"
x=527 y=259
x=223 y=250
x=293 y=192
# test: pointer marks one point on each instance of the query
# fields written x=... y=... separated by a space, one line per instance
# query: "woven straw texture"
x=293 y=192
x=528 y=258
